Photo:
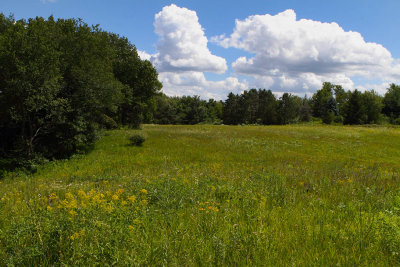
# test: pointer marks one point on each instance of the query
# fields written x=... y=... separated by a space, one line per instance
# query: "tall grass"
x=212 y=195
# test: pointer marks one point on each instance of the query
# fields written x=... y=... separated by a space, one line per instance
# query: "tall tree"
x=391 y=103
x=355 y=109
x=59 y=80
x=319 y=101
x=305 y=110
x=267 y=107
x=288 y=109
x=372 y=103
x=139 y=77
x=30 y=83
x=250 y=105
x=232 y=110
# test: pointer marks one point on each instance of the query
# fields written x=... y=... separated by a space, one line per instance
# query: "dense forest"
x=62 y=81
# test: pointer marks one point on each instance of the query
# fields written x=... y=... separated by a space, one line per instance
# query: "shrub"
x=338 y=119
x=107 y=122
x=328 y=117
x=136 y=140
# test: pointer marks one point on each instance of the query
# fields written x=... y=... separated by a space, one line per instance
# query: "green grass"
x=212 y=195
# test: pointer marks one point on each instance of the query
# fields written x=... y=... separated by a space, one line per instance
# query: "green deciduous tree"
x=61 y=81
x=372 y=103
x=288 y=108
x=354 y=109
x=391 y=103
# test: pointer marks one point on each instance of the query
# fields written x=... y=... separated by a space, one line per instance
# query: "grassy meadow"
x=300 y=195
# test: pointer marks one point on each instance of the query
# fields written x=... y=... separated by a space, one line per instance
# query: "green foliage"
x=355 y=110
x=61 y=82
x=108 y=123
x=373 y=107
x=362 y=108
x=305 y=111
x=324 y=103
x=232 y=110
x=251 y=107
x=140 y=80
x=320 y=100
x=391 y=103
x=329 y=117
x=185 y=110
x=288 y=108
x=329 y=104
x=136 y=140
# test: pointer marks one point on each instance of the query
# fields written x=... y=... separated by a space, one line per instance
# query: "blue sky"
x=210 y=54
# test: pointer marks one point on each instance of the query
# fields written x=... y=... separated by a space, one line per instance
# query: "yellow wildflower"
x=144 y=191
x=73 y=204
x=120 y=191
x=82 y=194
x=132 y=198
x=108 y=208
x=115 y=197
x=96 y=199
x=49 y=208
x=76 y=235
x=131 y=227
x=53 y=196
x=72 y=213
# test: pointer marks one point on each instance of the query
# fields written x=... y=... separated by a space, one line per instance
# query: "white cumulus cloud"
x=298 y=55
x=195 y=83
x=182 y=57
x=144 y=55
x=182 y=43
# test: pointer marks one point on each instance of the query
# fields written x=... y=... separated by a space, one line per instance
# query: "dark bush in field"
x=136 y=140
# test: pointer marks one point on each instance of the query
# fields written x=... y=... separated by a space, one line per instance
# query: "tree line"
x=330 y=104
x=62 y=81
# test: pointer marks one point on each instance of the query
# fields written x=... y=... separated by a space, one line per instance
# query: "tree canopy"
x=61 y=81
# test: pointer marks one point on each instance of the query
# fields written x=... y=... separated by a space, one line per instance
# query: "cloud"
x=182 y=43
x=195 y=83
x=380 y=88
x=298 y=55
x=48 y=1
x=182 y=57
x=143 y=55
